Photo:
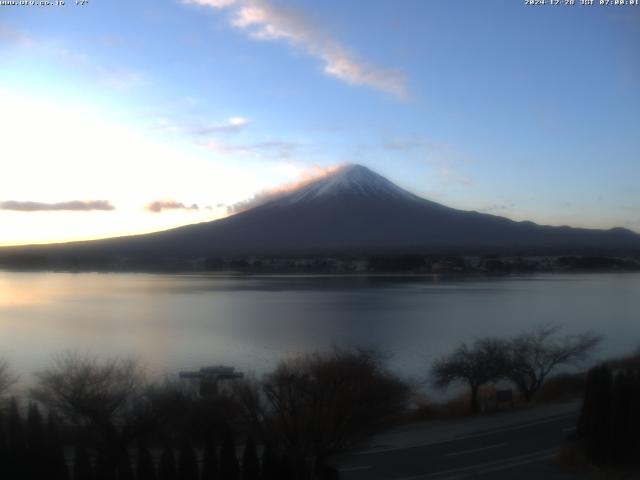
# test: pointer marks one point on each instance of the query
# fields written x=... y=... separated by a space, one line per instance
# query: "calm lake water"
x=173 y=322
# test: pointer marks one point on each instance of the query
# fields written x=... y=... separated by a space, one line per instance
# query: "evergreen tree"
x=36 y=443
x=634 y=419
x=35 y=431
x=4 y=447
x=16 y=430
x=587 y=410
x=620 y=439
x=187 y=462
x=18 y=461
x=610 y=419
x=210 y=461
x=145 y=468
x=597 y=449
x=56 y=462
x=229 y=468
x=82 y=468
x=250 y=463
x=167 y=469
x=125 y=471
x=286 y=470
x=270 y=468
x=105 y=469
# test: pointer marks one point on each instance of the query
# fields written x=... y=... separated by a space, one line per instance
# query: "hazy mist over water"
x=174 y=322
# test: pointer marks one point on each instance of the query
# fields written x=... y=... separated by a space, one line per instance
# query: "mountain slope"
x=352 y=210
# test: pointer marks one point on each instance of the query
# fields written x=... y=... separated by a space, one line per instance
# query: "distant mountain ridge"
x=351 y=210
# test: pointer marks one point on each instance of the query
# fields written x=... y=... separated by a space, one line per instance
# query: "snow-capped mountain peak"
x=349 y=180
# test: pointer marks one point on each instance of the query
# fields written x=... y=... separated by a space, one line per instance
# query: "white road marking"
x=473 y=450
x=487 y=467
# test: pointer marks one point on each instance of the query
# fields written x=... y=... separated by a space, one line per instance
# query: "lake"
x=174 y=322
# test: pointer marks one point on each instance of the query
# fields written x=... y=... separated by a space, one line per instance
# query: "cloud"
x=216 y=136
x=258 y=199
x=195 y=125
x=73 y=205
x=232 y=124
x=308 y=176
x=264 y=21
x=277 y=149
x=160 y=205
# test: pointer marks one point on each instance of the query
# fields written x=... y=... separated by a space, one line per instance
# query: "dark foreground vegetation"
x=105 y=421
x=610 y=417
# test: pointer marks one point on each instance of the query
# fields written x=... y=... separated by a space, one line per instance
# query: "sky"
x=120 y=117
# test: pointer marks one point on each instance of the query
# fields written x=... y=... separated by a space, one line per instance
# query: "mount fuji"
x=351 y=210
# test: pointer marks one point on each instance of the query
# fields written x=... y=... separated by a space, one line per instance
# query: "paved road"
x=471 y=456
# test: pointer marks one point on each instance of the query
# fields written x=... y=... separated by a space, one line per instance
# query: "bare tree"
x=85 y=389
x=6 y=378
x=534 y=354
x=484 y=361
x=319 y=404
x=106 y=397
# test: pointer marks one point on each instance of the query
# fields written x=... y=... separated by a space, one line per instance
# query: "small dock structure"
x=209 y=377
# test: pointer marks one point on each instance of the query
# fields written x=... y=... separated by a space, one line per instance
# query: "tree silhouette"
x=286 y=470
x=484 y=361
x=36 y=443
x=187 y=462
x=603 y=381
x=125 y=471
x=622 y=439
x=533 y=355
x=105 y=468
x=609 y=419
x=270 y=459
x=210 y=460
x=82 y=468
x=17 y=442
x=4 y=450
x=145 y=468
x=319 y=404
x=57 y=462
x=109 y=397
x=167 y=468
x=35 y=430
x=229 y=468
x=250 y=463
